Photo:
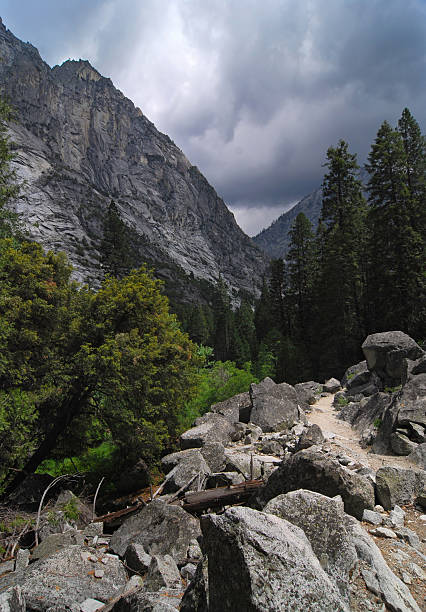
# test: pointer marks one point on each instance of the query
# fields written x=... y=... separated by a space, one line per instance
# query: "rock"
x=137 y=560
x=67 y=577
x=269 y=559
x=408 y=535
x=416 y=432
x=311 y=436
x=418 y=455
x=412 y=401
x=160 y=528
x=381 y=580
x=253 y=433
x=189 y=466
x=91 y=605
x=385 y=353
x=55 y=541
x=22 y=559
x=275 y=407
x=162 y=573
x=211 y=427
x=28 y=494
x=312 y=470
x=232 y=407
x=12 y=600
x=323 y=522
x=214 y=455
x=401 y=445
x=395 y=485
x=331 y=385
x=366 y=416
x=93 y=529
x=140 y=600
x=196 y=594
x=188 y=571
x=354 y=371
x=271 y=447
x=308 y=393
x=194 y=550
x=168 y=462
x=396 y=517
x=372 y=517
x=383 y=532
x=241 y=461
x=223 y=479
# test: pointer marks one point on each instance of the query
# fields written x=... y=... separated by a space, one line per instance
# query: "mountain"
x=274 y=240
x=80 y=143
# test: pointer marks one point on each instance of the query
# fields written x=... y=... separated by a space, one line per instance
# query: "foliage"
x=216 y=384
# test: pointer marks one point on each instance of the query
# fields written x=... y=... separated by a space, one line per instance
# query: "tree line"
x=362 y=270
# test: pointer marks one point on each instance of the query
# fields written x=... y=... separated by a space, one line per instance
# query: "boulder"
x=416 y=432
x=12 y=600
x=308 y=393
x=168 y=462
x=211 y=427
x=162 y=573
x=331 y=385
x=232 y=407
x=400 y=444
x=137 y=560
x=67 y=578
x=418 y=456
x=312 y=470
x=275 y=407
x=395 y=485
x=196 y=594
x=55 y=541
x=366 y=416
x=260 y=562
x=411 y=401
x=311 y=436
x=223 y=479
x=133 y=478
x=240 y=461
x=354 y=371
x=385 y=353
x=140 y=600
x=160 y=528
x=191 y=465
x=214 y=455
x=323 y=521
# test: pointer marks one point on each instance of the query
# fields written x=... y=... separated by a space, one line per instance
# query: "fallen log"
x=221 y=496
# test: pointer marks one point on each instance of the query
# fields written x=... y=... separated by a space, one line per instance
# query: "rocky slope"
x=329 y=530
x=274 y=240
x=80 y=142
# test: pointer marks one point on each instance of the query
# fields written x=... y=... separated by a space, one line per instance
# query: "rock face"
x=260 y=562
x=80 y=143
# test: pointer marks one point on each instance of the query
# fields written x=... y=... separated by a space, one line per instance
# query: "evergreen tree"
x=396 y=255
x=223 y=322
x=340 y=325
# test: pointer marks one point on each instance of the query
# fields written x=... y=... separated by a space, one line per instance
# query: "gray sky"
x=252 y=91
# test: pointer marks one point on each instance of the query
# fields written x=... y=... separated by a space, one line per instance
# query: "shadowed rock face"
x=80 y=143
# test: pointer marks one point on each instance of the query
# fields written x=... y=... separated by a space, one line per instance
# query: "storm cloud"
x=253 y=92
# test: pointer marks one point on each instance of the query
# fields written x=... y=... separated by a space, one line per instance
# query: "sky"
x=252 y=91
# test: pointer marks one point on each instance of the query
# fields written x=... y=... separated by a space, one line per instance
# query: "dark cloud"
x=253 y=92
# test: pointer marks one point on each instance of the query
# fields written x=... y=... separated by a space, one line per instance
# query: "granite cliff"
x=79 y=143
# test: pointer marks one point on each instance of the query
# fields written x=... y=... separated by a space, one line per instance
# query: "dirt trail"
x=345 y=438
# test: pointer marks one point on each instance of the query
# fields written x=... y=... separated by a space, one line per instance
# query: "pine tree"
x=341 y=283
x=396 y=255
x=223 y=322
x=117 y=256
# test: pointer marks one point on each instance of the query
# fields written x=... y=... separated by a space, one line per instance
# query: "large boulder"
x=160 y=528
x=196 y=594
x=353 y=371
x=308 y=393
x=311 y=436
x=385 y=353
x=395 y=485
x=211 y=427
x=233 y=407
x=366 y=416
x=193 y=464
x=70 y=576
x=259 y=562
x=418 y=456
x=275 y=407
x=312 y=470
x=412 y=401
x=323 y=521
